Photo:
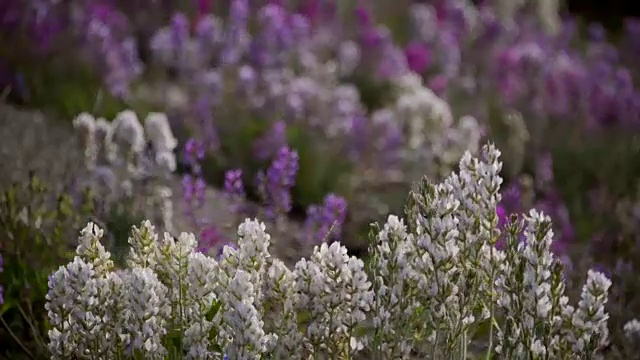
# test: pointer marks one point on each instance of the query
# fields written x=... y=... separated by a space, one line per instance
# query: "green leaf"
x=213 y=310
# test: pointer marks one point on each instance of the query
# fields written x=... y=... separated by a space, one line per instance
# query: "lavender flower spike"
x=324 y=223
x=276 y=185
x=234 y=189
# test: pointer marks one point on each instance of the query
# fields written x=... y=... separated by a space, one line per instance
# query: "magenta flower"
x=418 y=57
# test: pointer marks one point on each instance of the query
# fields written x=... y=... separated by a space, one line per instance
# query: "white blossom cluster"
x=122 y=154
x=434 y=280
x=433 y=135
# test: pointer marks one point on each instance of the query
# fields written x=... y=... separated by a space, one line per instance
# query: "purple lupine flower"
x=392 y=63
x=194 y=151
x=193 y=185
x=209 y=33
x=266 y=146
x=418 y=57
x=193 y=189
x=503 y=220
x=544 y=170
x=359 y=134
x=237 y=35
x=210 y=239
x=363 y=14
x=179 y=30
x=603 y=269
x=271 y=47
x=204 y=6
x=204 y=115
x=275 y=186
x=300 y=27
x=265 y=48
x=324 y=223
x=116 y=54
x=234 y=189
x=501 y=212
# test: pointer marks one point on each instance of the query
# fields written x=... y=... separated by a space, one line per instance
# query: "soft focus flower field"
x=292 y=179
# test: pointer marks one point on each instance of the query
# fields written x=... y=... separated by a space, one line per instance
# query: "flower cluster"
x=324 y=222
x=533 y=61
x=434 y=278
x=275 y=185
x=122 y=157
x=432 y=134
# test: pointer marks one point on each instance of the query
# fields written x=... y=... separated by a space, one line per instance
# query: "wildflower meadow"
x=318 y=179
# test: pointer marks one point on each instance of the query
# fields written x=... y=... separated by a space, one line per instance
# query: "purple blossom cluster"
x=39 y=21
x=561 y=77
x=324 y=222
x=234 y=190
x=193 y=194
x=114 y=50
x=275 y=185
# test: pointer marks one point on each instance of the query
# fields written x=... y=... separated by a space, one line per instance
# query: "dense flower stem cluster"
x=434 y=278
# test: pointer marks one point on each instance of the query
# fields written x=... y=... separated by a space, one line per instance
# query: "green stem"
x=463 y=347
x=491 y=320
x=17 y=340
x=36 y=333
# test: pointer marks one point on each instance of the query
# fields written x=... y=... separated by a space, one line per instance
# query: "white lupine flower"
x=424 y=20
x=392 y=304
x=590 y=317
x=164 y=205
x=128 y=133
x=166 y=160
x=529 y=303
x=336 y=293
x=349 y=55
x=172 y=259
x=104 y=141
x=549 y=16
x=632 y=329
x=282 y=299
x=433 y=136
x=74 y=305
x=196 y=338
x=158 y=131
x=92 y=251
x=241 y=318
x=143 y=244
x=85 y=127
x=147 y=310
x=433 y=281
x=252 y=255
x=202 y=277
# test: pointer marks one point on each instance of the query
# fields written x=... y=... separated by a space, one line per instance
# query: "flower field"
x=318 y=179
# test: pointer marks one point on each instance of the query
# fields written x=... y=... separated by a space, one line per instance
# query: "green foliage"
x=35 y=228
